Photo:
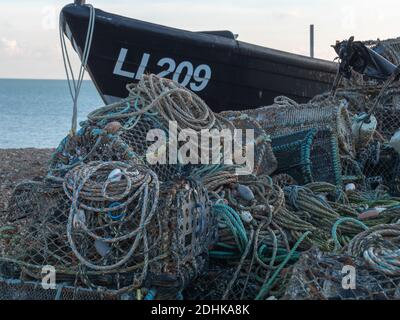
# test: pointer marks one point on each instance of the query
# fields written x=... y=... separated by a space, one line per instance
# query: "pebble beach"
x=17 y=165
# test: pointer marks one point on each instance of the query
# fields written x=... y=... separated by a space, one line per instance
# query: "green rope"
x=269 y=284
x=339 y=222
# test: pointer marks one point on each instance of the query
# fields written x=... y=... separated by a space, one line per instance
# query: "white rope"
x=76 y=85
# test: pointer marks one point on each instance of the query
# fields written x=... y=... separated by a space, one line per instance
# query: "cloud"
x=11 y=47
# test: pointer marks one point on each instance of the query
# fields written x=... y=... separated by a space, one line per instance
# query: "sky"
x=29 y=41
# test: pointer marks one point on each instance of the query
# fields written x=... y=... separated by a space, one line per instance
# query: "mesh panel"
x=28 y=290
x=90 y=144
x=319 y=276
x=380 y=164
x=308 y=156
x=37 y=214
x=189 y=229
x=387 y=111
x=213 y=285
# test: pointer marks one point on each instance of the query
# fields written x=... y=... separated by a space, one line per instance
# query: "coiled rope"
x=379 y=246
x=137 y=193
x=166 y=98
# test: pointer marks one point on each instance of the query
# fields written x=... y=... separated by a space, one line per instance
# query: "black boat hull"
x=227 y=74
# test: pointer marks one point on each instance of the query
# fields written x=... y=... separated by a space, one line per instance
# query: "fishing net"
x=34 y=232
x=387 y=112
x=308 y=156
x=376 y=164
x=319 y=276
x=380 y=165
x=54 y=226
x=352 y=173
x=190 y=228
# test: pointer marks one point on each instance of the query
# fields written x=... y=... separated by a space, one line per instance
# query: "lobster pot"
x=264 y=158
x=94 y=142
x=381 y=166
x=34 y=231
x=308 y=156
x=319 y=276
x=35 y=236
x=89 y=144
x=15 y=289
x=286 y=117
x=189 y=229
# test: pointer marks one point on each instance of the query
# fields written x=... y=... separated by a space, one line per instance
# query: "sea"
x=38 y=113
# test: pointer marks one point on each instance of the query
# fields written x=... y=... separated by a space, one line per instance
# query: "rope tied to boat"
x=75 y=85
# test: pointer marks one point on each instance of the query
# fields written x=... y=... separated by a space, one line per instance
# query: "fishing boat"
x=226 y=73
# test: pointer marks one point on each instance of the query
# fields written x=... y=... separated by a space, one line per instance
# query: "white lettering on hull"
x=184 y=73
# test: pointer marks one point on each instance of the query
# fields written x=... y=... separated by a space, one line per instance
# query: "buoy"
x=115 y=176
x=246 y=216
x=363 y=129
x=102 y=248
x=370 y=214
x=245 y=192
x=79 y=219
x=113 y=127
x=350 y=187
x=260 y=208
x=395 y=142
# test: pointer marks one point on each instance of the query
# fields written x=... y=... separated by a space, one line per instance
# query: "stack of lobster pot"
x=307 y=137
